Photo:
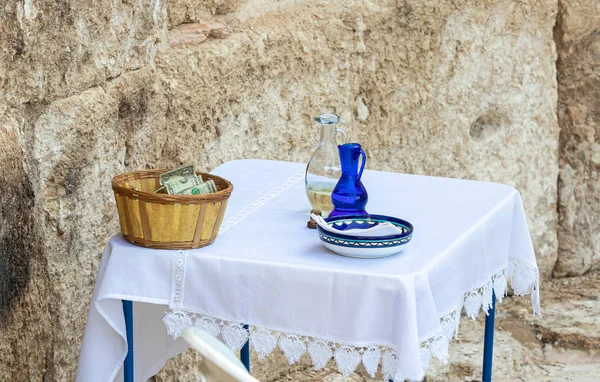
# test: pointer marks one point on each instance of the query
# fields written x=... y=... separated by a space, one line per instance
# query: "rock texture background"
x=89 y=89
x=578 y=42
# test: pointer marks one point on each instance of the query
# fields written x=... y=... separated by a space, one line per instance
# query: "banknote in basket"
x=180 y=179
x=207 y=187
x=179 y=187
x=181 y=174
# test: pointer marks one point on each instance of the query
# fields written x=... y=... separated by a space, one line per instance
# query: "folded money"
x=178 y=186
x=185 y=181
x=207 y=187
x=180 y=179
x=181 y=174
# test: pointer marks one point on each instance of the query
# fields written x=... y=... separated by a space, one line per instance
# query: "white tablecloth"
x=268 y=270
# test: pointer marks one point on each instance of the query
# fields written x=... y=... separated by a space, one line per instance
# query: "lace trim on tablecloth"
x=523 y=277
x=256 y=204
x=179 y=261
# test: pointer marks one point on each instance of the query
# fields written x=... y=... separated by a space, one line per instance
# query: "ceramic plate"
x=365 y=247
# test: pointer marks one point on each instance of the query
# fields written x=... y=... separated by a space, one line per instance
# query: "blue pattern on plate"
x=354 y=224
x=363 y=243
x=345 y=223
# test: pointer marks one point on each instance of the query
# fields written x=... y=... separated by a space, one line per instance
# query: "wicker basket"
x=164 y=221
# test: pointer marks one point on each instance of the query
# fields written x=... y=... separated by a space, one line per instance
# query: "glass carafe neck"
x=328 y=134
x=328 y=128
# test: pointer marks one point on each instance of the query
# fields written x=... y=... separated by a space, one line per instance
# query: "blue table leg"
x=488 y=343
x=245 y=353
x=128 y=366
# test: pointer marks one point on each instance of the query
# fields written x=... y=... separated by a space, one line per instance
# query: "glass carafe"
x=324 y=170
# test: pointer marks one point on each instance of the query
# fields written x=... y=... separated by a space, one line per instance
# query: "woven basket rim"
x=165 y=198
x=174 y=245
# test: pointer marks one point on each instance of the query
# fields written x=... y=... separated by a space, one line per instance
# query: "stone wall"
x=60 y=145
x=89 y=89
x=578 y=43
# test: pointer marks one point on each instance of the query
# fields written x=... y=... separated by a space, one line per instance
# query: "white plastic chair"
x=222 y=364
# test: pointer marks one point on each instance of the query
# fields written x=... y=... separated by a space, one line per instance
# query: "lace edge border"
x=523 y=277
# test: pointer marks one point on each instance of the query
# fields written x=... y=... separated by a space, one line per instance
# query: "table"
x=269 y=282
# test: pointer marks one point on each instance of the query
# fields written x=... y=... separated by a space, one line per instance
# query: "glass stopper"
x=327 y=119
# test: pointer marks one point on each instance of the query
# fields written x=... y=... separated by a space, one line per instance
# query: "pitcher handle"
x=338 y=130
x=364 y=161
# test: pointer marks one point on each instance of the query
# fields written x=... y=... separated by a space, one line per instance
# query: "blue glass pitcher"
x=349 y=197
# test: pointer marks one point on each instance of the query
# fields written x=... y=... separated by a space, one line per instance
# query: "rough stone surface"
x=578 y=42
x=189 y=11
x=75 y=152
x=26 y=335
x=89 y=89
x=55 y=49
x=57 y=155
x=562 y=346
